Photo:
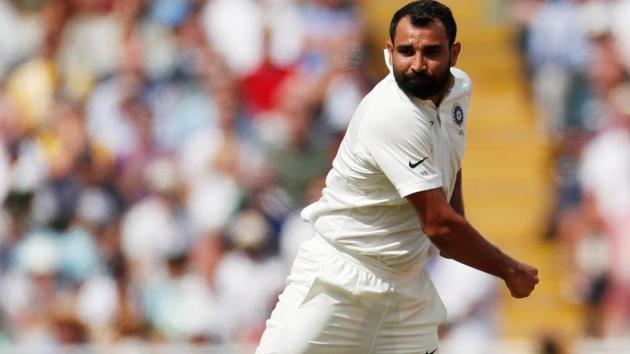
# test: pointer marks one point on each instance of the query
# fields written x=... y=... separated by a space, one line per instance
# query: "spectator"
x=579 y=100
x=150 y=161
x=294 y=229
x=299 y=159
x=468 y=295
x=585 y=226
x=558 y=76
x=181 y=305
x=248 y=280
x=605 y=172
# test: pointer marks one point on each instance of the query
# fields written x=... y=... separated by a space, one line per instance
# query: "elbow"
x=436 y=231
x=440 y=235
x=439 y=228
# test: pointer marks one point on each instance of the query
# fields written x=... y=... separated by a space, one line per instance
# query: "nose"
x=419 y=63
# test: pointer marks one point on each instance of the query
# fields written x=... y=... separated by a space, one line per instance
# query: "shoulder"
x=388 y=97
x=463 y=82
x=389 y=109
x=457 y=103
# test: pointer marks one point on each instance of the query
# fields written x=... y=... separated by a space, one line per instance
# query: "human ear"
x=455 y=49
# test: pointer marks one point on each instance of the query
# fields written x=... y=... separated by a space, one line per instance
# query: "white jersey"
x=395 y=145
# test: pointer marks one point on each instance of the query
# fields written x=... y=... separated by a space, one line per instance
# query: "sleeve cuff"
x=419 y=186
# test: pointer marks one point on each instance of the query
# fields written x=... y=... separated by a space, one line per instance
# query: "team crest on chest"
x=458 y=114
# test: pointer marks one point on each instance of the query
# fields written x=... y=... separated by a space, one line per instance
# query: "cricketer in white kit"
x=359 y=286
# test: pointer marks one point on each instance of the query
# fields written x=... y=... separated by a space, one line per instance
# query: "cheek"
x=401 y=64
x=401 y=69
x=435 y=66
x=438 y=68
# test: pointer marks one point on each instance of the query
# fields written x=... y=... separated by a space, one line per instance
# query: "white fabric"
x=605 y=172
x=342 y=98
x=148 y=233
x=18 y=291
x=38 y=253
x=469 y=297
x=248 y=287
x=91 y=44
x=159 y=48
x=287 y=32
x=30 y=170
x=236 y=29
x=15 y=47
x=335 y=303
x=363 y=209
x=211 y=202
x=184 y=307
x=97 y=301
x=107 y=125
x=294 y=232
x=621 y=29
x=5 y=174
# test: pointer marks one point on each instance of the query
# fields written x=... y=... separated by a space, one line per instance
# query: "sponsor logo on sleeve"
x=417 y=163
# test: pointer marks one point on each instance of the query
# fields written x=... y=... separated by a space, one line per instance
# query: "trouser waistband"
x=368 y=262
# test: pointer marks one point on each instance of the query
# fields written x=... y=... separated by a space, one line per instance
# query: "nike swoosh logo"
x=433 y=352
x=414 y=165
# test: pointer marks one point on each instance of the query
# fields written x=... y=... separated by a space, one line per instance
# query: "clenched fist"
x=521 y=280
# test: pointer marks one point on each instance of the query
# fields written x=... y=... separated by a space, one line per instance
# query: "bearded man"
x=360 y=285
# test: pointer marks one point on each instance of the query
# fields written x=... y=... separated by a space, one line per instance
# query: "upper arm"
x=401 y=146
x=433 y=210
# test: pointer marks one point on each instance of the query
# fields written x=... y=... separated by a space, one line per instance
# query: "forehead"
x=433 y=32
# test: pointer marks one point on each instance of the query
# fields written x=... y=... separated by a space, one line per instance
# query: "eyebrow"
x=432 y=47
x=404 y=46
x=427 y=47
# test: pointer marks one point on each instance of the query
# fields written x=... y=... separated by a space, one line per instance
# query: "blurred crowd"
x=154 y=155
x=577 y=57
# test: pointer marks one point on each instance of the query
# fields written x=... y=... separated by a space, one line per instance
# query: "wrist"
x=508 y=271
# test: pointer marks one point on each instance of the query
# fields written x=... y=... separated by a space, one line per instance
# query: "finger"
x=520 y=293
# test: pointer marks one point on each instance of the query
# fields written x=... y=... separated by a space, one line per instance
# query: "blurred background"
x=155 y=154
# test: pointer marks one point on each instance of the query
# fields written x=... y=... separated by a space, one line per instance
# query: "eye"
x=432 y=52
x=405 y=50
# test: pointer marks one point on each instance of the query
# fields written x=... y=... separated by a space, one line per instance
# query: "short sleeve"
x=401 y=146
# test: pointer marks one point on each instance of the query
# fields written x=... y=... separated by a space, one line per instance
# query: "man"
x=359 y=286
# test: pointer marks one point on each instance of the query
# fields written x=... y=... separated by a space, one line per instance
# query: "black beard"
x=422 y=85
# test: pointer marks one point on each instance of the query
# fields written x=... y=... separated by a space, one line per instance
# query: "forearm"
x=459 y=240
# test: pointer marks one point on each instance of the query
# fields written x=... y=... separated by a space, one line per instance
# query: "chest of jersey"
x=449 y=140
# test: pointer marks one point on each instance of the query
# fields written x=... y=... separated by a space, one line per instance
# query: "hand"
x=521 y=280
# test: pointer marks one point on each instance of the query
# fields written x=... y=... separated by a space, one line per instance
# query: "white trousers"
x=335 y=303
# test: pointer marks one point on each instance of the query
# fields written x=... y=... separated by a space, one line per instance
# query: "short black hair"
x=422 y=12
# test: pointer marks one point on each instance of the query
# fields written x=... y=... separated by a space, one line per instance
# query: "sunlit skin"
x=422 y=57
